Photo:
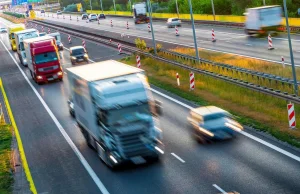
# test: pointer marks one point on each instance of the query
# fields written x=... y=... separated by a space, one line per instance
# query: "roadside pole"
x=130 y=6
x=194 y=33
x=91 y=6
x=152 y=30
x=115 y=7
x=213 y=9
x=291 y=48
x=264 y=2
x=101 y=5
x=177 y=8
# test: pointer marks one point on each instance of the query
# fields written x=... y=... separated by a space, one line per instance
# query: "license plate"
x=80 y=59
x=50 y=79
x=138 y=160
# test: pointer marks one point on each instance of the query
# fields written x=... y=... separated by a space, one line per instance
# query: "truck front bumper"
x=49 y=77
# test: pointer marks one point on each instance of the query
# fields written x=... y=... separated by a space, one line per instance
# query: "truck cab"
x=43 y=59
x=20 y=37
x=11 y=34
x=117 y=114
x=140 y=13
x=57 y=37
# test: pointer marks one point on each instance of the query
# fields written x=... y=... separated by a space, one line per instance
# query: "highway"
x=61 y=162
x=229 y=40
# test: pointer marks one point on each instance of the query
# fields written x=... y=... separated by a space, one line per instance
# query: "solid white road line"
x=219 y=188
x=62 y=130
x=181 y=160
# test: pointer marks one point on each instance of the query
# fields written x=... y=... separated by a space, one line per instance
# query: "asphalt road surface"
x=229 y=40
x=242 y=164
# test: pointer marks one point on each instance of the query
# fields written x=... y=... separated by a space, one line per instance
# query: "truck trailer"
x=140 y=13
x=20 y=37
x=260 y=20
x=43 y=59
x=116 y=112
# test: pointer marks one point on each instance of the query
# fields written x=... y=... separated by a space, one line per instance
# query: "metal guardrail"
x=131 y=48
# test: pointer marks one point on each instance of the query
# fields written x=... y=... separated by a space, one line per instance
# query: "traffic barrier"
x=98 y=21
x=291 y=115
x=42 y=28
x=176 y=31
x=119 y=48
x=70 y=17
x=83 y=43
x=282 y=61
x=77 y=19
x=49 y=30
x=63 y=16
x=69 y=39
x=270 y=43
x=149 y=28
x=109 y=40
x=213 y=35
x=52 y=16
x=192 y=81
x=127 y=26
x=178 y=81
x=138 y=61
x=111 y=25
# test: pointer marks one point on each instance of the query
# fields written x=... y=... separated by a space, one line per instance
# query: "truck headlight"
x=59 y=73
x=25 y=60
x=39 y=77
x=85 y=56
x=74 y=58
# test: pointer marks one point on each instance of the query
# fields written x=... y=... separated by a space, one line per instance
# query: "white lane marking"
x=248 y=44
x=241 y=132
x=181 y=160
x=160 y=150
x=219 y=188
x=62 y=130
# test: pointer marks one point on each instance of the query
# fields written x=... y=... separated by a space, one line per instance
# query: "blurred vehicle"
x=57 y=37
x=3 y=30
x=260 y=20
x=42 y=11
x=84 y=16
x=93 y=17
x=78 y=54
x=101 y=15
x=20 y=36
x=115 y=110
x=12 y=29
x=140 y=13
x=212 y=123
x=172 y=22
x=59 y=12
x=42 y=33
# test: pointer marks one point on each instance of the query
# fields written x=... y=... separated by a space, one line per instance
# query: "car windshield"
x=174 y=20
x=125 y=114
x=215 y=116
x=22 y=46
x=79 y=51
x=45 y=57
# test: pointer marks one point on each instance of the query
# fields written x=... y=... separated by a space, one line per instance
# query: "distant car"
x=101 y=15
x=212 y=123
x=78 y=54
x=172 y=22
x=84 y=16
x=3 y=30
x=59 y=12
x=93 y=17
x=42 y=34
x=42 y=11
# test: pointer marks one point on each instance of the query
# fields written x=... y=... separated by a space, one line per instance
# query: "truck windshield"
x=12 y=35
x=22 y=46
x=45 y=57
x=126 y=114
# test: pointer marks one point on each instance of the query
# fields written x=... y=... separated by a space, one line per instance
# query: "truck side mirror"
x=158 y=107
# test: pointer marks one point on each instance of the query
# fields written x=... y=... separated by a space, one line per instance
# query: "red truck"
x=43 y=59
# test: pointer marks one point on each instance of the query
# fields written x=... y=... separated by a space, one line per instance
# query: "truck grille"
x=48 y=68
x=130 y=144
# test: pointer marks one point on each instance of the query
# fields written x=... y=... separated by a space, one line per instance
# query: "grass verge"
x=6 y=177
x=260 y=111
x=12 y=19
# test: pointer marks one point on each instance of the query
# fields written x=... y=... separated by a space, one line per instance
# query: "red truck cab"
x=43 y=59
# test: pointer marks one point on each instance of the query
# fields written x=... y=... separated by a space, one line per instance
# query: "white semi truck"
x=116 y=112
x=260 y=20
x=140 y=13
x=20 y=36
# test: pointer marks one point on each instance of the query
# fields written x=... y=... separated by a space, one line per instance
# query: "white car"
x=93 y=17
x=3 y=30
x=172 y=22
x=59 y=12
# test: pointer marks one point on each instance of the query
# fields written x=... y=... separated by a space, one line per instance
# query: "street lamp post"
x=264 y=2
x=91 y=6
x=291 y=49
x=213 y=9
x=152 y=30
x=177 y=8
x=130 y=6
x=115 y=6
x=101 y=5
x=194 y=33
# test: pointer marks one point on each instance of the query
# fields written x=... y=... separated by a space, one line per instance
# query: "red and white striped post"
x=270 y=43
x=70 y=17
x=127 y=26
x=83 y=43
x=119 y=48
x=42 y=28
x=111 y=25
x=77 y=19
x=192 y=81
x=291 y=115
x=176 y=31
x=63 y=16
x=213 y=38
x=178 y=81
x=98 y=21
x=282 y=61
x=57 y=17
x=49 y=30
x=138 y=61
x=109 y=40
x=36 y=25
x=149 y=28
x=69 y=39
